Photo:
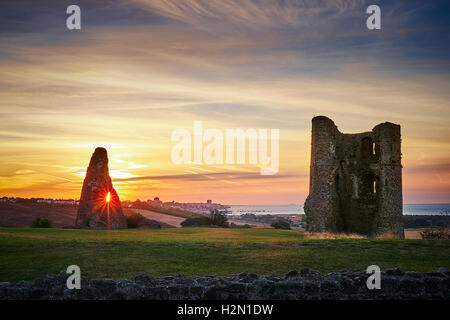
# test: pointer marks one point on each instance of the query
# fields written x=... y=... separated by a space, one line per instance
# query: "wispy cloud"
x=254 y=14
x=60 y=178
x=193 y=176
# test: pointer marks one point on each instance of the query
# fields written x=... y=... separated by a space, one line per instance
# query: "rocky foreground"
x=306 y=284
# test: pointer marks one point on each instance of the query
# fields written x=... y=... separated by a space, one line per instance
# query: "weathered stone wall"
x=304 y=285
x=387 y=136
x=355 y=180
x=322 y=199
x=94 y=211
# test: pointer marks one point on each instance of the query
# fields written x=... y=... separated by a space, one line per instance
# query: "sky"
x=140 y=69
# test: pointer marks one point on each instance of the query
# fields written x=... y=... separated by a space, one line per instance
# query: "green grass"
x=27 y=254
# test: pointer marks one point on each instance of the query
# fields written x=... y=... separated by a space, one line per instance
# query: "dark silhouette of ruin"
x=355 y=180
x=100 y=206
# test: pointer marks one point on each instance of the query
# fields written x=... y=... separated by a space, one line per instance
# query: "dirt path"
x=160 y=217
x=253 y=224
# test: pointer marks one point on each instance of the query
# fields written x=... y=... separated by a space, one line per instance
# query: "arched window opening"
x=367 y=147
x=368 y=185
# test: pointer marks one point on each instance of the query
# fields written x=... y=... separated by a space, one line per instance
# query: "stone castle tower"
x=355 y=180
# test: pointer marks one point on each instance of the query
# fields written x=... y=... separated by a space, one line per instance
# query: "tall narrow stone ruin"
x=355 y=180
x=100 y=206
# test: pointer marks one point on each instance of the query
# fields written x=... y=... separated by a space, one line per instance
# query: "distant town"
x=198 y=207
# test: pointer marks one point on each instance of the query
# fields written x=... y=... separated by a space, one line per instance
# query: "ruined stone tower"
x=100 y=206
x=355 y=180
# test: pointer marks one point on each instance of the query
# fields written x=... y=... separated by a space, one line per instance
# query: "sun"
x=108 y=197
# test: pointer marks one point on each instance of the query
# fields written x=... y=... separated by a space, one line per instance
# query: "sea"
x=408 y=209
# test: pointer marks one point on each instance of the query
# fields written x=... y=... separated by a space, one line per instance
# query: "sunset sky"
x=138 y=70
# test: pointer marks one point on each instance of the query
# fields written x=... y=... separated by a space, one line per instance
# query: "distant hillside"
x=165 y=220
x=165 y=210
x=23 y=214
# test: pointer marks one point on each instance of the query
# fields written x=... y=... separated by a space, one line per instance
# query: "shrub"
x=435 y=233
x=281 y=225
x=245 y=226
x=41 y=223
x=214 y=219
x=199 y=221
x=218 y=219
x=134 y=219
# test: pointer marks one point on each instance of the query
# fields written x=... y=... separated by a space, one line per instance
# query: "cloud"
x=60 y=178
x=236 y=175
x=427 y=169
x=254 y=14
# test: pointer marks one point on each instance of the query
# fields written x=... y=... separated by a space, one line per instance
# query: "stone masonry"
x=355 y=180
x=305 y=284
x=96 y=211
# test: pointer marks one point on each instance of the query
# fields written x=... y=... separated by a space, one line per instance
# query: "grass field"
x=26 y=254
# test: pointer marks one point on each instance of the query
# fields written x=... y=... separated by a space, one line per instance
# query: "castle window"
x=367 y=147
x=368 y=185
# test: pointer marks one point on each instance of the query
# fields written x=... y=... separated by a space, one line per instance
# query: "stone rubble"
x=295 y=285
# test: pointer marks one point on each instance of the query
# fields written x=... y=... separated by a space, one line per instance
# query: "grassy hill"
x=27 y=254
